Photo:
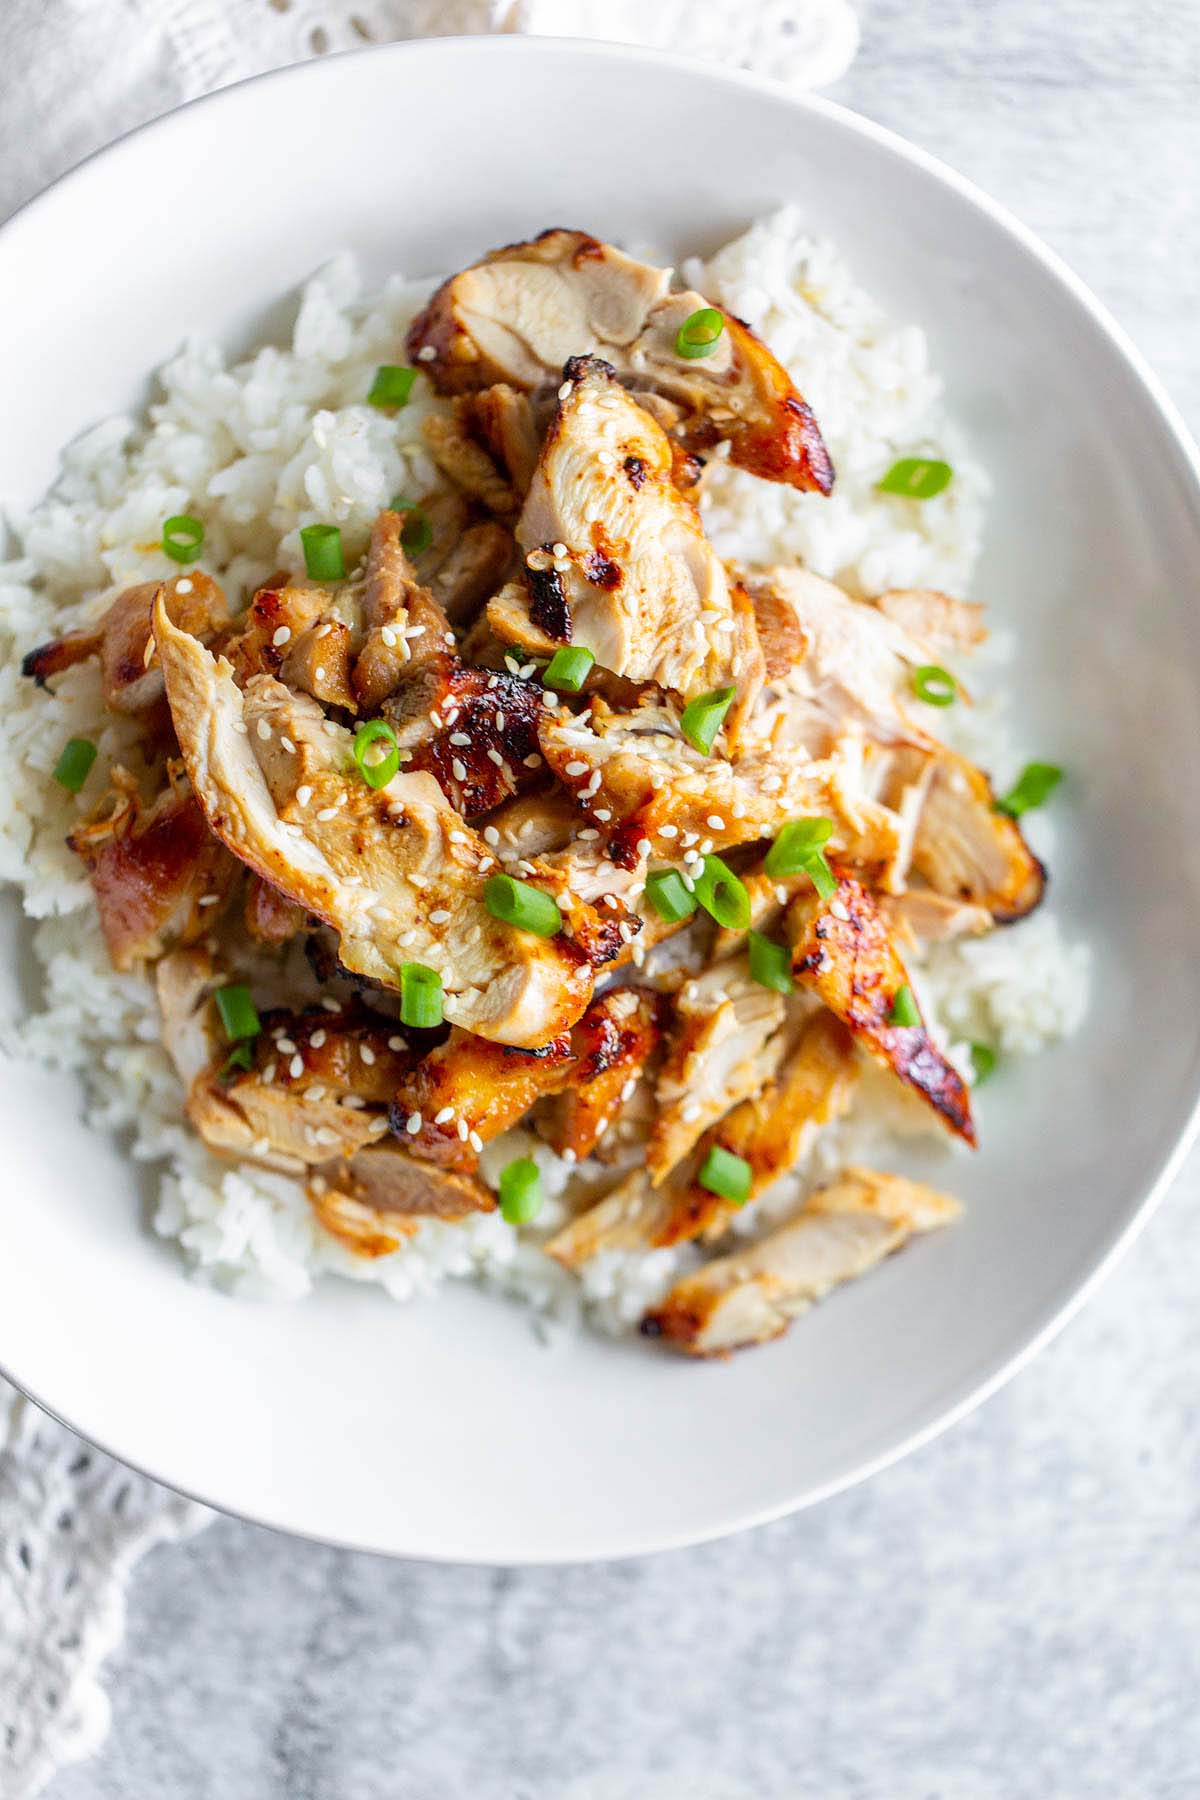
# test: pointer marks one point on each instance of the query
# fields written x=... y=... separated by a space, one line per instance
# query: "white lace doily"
x=72 y=1522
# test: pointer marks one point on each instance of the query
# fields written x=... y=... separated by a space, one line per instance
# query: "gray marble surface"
x=1012 y=1614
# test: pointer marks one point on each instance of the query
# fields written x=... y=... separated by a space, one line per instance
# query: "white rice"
x=285 y=439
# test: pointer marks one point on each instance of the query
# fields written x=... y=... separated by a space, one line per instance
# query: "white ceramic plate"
x=445 y=1430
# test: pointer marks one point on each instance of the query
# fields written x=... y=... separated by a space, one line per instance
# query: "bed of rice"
x=285 y=439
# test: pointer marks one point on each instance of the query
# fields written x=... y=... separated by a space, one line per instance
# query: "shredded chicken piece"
x=473 y=570
x=754 y=1294
x=122 y=639
x=395 y=871
x=460 y=456
x=723 y=1047
x=158 y=874
x=524 y=310
x=842 y=951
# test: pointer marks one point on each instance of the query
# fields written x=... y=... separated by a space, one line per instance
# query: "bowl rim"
x=1109 y=1249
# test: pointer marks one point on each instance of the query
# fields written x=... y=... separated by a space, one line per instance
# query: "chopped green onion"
x=520 y=1192
x=323 y=559
x=241 y=1058
x=936 y=687
x=520 y=903
x=728 y=1175
x=392 y=385
x=182 y=537
x=704 y=716
x=797 y=844
x=416 y=533
x=771 y=964
x=420 y=996
x=917 y=478
x=238 y=1015
x=568 y=670
x=1036 y=783
x=983 y=1061
x=668 y=895
x=905 y=1010
x=722 y=895
x=74 y=765
x=698 y=334
x=821 y=875
x=379 y=770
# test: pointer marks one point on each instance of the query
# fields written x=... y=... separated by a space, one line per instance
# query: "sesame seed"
x=183 y=585
x=840 y=910
x=296 y=1066
x=576 y=768
x=772 y=783
x=564 y=392
x=495 y=756
x=303 y=794
x=414 y=1124
x=435 y=720
x=499 y=721
x=324 y=630
x=739 y=810
x=389 y=636
x=444 y=1116
x=627 y=1092
x=458 y=769
x=475 y=1141
x=318 y=1037
x=148 y=653
x=414 y=631
x=563 y=902
x=367 y=1054
x=533 y=760
x=330 y=1004
x=354 y=1101
x=568 y=1155
x=377 y=1127
x=690 y=837
x=326 y=813
x=781 y=894
x=288 y=745
x=458 y=837
x=603 y=814
x=208 y=899
x=427 y=353
x=268 y=1073
x=261 y=1146
x=706 y=846
x=690 y=1112
x=526 y=670
x=285 y=1045
x=560 y=549
x=439 y=916
x=688 y=883
x=668 y=831
x=313 y=1094
x=263 y=729
x=318 y=673
x=644 y=846
x=625 y=931
x=282 y=634
x=409 y=937
x=325 y=1135
x=485 y=863
x=493 y=681
x=463 y=1128
x=715 y=822
x=549 y=697
x=396 y=1042
x=490 y=835
x=589 y=834
x=459 y=737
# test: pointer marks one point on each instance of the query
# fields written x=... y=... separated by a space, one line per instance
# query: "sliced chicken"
x=122 y=639
x=271 y=918
x=938 y=623
x=503 y=417
x=616 y=558
x=724 y=1046
x=471 y=467
x=841 y=949
x=159 y=875
x=635 y=1215
x=520 y=314
x=968 y=851
x=183 y=982
x=613 y=1043
x=394 y=870
x=931 y=918
x=473 y=570
x=754 y=1294
x=382 y=1195
x=479 y=742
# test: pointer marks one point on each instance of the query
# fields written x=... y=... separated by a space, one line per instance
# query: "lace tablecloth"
x=72 y=1522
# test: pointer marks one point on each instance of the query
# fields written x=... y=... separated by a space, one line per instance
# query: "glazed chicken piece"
x=270 y=917
x=841 y=950
x=637 y=1216
x=123 y=640
x=479 y=740
x=395 y=871
x=724 y=1046
x=970 y=852
x=159 y=876
x=753 y=1294
x=524 y=310
x=467 y=1091
x=382 y=1194
x=937 y=623
x=926 y=917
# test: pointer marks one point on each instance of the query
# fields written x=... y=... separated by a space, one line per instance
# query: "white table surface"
x=1012 y=1614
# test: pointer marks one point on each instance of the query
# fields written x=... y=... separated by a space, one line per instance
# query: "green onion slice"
x=377 y=770
x=917 y=478
x=420 y=996
x=699 y=334
x=797 y=844
x=935 y=686
x=74 y=765
x=1036 y=783
x=669 y=897
x=983 y=1061
x=416 y=533
x=239 y=1017
x=182 y=537
x=722 y=895
x=323 y=558
x=727 y=1175
x=520 y=1192
x=568 y=670
x=771 y=964
x=704 y=716
x=821 y=875
x=392 y=385
x=905 y=1010
x=240 y=1058
x=520 y=903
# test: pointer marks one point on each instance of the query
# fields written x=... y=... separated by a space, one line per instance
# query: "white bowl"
x=445 y=1430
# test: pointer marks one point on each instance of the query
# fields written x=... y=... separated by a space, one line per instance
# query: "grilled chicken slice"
x=937 y=623
x=754 y=1294
x=471 y=467
x=520 y=314
x=473 y=570
x=159 y=876
x=270 y=917
x=131 y=680
x=814 y=1084
x=479 y=742
x=467 y=1091
x=842 y=951
x=317 y=1088
x=613 y=1043
x=635 y=1215
x=184 y=981
x=724 y=1046
x=395 y=871
x=967 y=850
x=616 y=558
x=382 y=1194
x=931 y=918
x=503 y=418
